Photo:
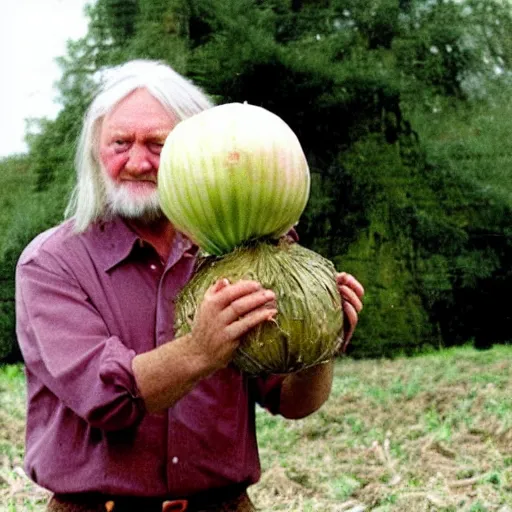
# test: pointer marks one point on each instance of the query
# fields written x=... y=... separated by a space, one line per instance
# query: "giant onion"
x=235 y=180
x=233 y=173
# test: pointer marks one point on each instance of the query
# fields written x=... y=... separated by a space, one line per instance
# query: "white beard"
x=122 y=201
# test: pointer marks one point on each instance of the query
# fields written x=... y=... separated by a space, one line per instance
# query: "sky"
x=32 y=34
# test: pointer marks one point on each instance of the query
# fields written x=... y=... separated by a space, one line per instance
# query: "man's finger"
x=219 y=285
x=351 y=319
x=248 y=303
x=232 y=292
x=350 y=296
x=344 y=279
x=240 y=327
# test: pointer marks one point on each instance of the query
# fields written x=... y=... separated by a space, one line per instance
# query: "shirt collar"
x=116 y=241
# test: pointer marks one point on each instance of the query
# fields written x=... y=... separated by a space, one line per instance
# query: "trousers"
x=230 y=502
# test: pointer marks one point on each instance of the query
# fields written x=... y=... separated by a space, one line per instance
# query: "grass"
x=17 y=493
x=430 y=433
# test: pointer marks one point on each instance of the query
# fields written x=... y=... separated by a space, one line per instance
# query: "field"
x=430 y=433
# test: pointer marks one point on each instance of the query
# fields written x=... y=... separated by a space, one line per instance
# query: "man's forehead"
x=137 y=106
x=126 y=123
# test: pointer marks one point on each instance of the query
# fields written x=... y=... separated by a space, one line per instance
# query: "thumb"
x=219 y=285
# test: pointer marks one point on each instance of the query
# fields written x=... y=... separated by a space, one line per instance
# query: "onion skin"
x=233 y=173
x=308 y=327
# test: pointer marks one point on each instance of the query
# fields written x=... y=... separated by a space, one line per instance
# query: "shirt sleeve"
x=267 y=392
x=67 y=346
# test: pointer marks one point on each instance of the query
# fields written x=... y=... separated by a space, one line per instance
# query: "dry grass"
x=432 y=433
x=17 y=492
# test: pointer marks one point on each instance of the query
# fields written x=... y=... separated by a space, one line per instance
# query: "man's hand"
x=165 y=374
x=352 y=293
x=227 y=312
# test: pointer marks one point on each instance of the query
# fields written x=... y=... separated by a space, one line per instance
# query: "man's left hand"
x=352 y=292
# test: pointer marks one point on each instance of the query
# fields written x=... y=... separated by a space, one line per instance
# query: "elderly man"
x=122 y=416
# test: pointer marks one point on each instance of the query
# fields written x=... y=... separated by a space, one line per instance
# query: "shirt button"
x=152 y=266
x=175 y=460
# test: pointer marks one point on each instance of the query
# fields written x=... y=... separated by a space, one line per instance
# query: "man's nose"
x=138 y=159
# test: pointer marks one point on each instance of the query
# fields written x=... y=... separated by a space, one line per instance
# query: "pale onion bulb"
x=233 y=173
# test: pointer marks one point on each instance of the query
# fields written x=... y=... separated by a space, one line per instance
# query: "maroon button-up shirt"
x=86 y=305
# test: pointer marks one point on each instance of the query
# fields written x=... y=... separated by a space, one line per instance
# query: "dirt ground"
x=432 y=433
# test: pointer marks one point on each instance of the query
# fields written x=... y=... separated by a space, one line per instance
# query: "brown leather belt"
x=231 y=499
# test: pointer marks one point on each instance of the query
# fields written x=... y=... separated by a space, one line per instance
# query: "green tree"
x=389 y=99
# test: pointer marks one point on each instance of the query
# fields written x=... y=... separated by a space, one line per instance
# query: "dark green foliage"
x=16 y=177
x=402 y=115
x=31 y=217
x=43 y=182
x=434 y=49
x=123 y=14
x=25 y=213
x=380 y=206
x=470 y=245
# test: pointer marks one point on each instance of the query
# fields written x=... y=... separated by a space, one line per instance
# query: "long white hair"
x=176 y=94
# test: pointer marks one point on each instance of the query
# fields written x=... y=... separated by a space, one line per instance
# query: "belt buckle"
x=175 y=506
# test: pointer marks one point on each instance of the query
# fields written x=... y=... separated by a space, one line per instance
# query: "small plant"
x=344 y=486
x=478 y=507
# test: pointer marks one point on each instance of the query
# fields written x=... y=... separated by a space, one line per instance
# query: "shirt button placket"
x=165 y=308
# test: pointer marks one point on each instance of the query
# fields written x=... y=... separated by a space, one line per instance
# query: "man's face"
x=131 y=139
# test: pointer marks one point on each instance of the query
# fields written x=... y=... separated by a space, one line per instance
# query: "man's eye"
x=156 y=147
x=120 y=145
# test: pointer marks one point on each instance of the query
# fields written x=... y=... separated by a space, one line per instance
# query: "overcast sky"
x=32 y=34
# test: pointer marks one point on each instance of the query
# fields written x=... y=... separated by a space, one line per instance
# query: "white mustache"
x=139 y=180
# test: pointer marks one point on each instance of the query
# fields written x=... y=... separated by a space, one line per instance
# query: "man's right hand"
x=165 y=374
x=227 y=312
